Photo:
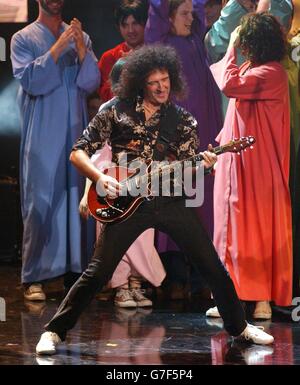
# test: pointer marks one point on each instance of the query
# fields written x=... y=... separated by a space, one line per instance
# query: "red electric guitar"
x=108 y=210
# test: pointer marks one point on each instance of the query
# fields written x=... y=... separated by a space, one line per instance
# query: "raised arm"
x=158 y=25
x=282 y=9
x=199 y=15
x=255 y=84
x=217 y=38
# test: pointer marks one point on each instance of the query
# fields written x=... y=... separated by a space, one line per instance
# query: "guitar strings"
x=123 y=183
x=217 y=150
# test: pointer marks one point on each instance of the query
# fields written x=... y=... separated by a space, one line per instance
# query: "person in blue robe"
x=57 y=69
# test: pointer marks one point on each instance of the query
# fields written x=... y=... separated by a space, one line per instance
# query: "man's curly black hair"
x=141 y=62
x=261 y=38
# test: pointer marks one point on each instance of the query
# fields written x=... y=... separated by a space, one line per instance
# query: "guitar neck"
x=171 y=167
x=235 y=146
x=216 y=150
x=196 y=158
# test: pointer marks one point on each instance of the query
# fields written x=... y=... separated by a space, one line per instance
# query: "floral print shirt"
x=122 y=124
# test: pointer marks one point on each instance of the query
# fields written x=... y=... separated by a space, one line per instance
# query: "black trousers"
x=168 y=215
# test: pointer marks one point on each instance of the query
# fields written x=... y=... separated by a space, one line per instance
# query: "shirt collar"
x=139 y=105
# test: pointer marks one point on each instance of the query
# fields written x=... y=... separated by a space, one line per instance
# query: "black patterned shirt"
x=122 y=124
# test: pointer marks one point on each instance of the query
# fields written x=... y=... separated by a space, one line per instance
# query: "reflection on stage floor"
x=172 y=332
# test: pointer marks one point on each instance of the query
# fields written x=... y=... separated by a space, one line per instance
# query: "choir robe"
x=203 y=98
x=253 y=231
x=52 y=100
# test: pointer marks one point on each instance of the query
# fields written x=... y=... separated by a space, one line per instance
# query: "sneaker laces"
x=255 y=329
x=124 y=295
x=138 y=294
x=52 y=336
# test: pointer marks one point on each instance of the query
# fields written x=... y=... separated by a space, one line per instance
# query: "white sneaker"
x=213 y=312
x=124 y=298
x=256 y=334
x=214 y=321
x=140 y=299
x=47 y=343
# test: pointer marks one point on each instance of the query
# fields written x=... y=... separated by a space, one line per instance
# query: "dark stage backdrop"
x=97 y=19
x=98 y=22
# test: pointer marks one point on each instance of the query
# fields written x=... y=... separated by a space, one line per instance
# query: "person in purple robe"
x=181 y=24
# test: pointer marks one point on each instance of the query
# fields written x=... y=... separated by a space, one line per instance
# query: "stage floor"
x=172 y=332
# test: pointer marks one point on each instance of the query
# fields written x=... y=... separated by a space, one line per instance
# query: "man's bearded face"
x=52 y=7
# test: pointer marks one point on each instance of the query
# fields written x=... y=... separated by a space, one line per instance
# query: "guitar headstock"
x=238 y=145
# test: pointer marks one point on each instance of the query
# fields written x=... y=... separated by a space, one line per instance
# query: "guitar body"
x=119 y=209
x=115 y=210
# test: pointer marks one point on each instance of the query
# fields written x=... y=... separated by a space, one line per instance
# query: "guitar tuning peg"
x=251 y=147
x=238 y=153
x=245 y=149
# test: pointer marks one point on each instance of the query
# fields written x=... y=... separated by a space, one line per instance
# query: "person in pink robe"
x=252 y=216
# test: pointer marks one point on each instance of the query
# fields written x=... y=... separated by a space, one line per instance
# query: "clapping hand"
x=62 y=43
x=76 y=28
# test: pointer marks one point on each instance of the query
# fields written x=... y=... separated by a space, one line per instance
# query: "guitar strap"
x=167 y=132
